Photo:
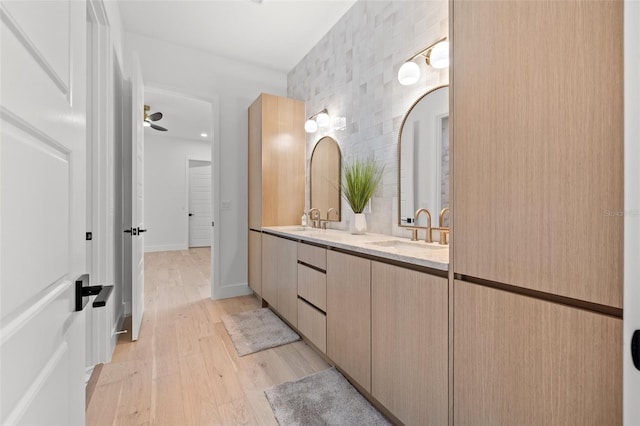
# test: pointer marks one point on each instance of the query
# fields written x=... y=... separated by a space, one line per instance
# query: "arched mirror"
x=325 y=179
x=423 y=155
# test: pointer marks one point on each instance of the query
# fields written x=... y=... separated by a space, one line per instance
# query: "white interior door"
x=43 y=210
x=200 y=203
x=137 y=199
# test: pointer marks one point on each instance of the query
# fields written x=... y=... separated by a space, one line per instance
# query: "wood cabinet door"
x=409 y=344
x=255 y=164
x=349 y=315
x=287 y=254
x=255 y=262
x=524 y=361
x=270 y=269
x=538 y=145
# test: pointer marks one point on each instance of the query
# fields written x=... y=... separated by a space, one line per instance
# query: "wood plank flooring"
x=184 y=370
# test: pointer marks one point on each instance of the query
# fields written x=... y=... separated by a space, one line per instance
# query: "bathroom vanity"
x=374 y=305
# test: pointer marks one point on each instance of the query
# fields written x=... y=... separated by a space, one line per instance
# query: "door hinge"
x=88 y=236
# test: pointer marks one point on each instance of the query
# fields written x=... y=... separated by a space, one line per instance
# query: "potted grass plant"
x=360 y=179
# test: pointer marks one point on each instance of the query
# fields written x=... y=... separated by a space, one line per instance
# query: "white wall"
x=165 y=178
x=231 y=86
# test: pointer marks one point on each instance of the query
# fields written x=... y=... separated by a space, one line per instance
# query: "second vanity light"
x=435 y=55
x=319 y=119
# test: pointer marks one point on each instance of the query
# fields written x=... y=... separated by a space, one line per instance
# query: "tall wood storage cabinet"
x=537 y=151
x=276 y=169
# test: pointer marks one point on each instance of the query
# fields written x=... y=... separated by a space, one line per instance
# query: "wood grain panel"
x=524 y=361
x=255 y=164
x=312 y=286
x=312 y=255
x=270 y=269
x=255 y=262
x=349 y=315
x=313 y=325
x=537 y=110
x=409 y=344
x=287 y=257
x=283 y=164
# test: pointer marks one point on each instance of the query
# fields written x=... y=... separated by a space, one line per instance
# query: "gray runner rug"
x=324 y=398
x=254 y=331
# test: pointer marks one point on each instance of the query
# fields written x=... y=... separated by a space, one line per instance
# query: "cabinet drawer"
x=313 y=324
x=312 y=286
x=312 y=255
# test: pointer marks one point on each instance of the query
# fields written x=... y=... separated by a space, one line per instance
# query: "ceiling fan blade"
x=155 y=116
x=162 y=129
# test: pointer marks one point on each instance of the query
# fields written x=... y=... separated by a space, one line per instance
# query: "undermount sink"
x=297 y=228
x=397 y=244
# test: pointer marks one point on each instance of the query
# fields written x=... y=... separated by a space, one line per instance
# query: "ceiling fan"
x=148 y=118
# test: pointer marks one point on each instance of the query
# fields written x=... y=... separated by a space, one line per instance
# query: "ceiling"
x=276 y=34
x=185 y=118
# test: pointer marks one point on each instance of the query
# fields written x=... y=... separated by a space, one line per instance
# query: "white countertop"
x=430 y=255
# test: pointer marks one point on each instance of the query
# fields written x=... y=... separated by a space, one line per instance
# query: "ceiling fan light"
x=409 y=73
x=145 y=123
x=310 y=126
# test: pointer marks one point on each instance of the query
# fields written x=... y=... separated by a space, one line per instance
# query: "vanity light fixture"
x=319 y=119
x=436 y=55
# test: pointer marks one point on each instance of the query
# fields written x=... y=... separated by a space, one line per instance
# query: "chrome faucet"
x=428 y=237
x=316 y=221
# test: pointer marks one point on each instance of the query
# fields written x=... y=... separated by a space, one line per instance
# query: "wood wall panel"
x=537 y=108
x=524 y=361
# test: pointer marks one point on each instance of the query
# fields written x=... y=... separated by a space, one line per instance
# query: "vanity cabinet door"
x=409 y=344
x=287 y=259
x=270 y=270
x=254 y=275
x=538 y=149
x=524 y=361
x=349 y=315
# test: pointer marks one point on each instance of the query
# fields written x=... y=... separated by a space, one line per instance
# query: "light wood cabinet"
x=520 y=360
x=313 y=325
x=255 y=262
x=288 y=280
x=276 y=174
x=409 y=344
x=537 y=143
x=276 y=161
x=312 y=286
x=270 y=269
x=349 y=315
x=280 y=276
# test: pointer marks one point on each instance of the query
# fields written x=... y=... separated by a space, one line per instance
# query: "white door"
x=137 y=199
x=200 y=203
x=632 y=208
x=43 y=211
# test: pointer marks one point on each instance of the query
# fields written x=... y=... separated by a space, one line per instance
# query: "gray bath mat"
x=254 y=331
x=324 y=398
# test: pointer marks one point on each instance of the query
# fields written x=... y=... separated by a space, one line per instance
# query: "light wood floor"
x=184 y=370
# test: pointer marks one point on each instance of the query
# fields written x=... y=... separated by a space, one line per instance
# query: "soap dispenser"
x=304 y=221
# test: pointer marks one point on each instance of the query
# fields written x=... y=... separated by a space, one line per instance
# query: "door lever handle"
x=190 y=214
x=140 y=230
x=635 y=349
x=128 y=231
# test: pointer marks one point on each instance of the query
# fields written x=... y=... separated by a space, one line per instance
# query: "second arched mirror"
x=325 y=179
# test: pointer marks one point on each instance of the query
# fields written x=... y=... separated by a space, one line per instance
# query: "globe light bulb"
x=409 y=73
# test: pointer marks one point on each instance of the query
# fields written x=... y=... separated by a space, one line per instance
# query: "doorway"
x=199 y=201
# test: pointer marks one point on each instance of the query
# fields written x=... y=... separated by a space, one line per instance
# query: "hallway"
x=184 y=369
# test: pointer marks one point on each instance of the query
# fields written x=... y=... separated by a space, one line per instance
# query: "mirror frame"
x=339 y=219
x=404 y=119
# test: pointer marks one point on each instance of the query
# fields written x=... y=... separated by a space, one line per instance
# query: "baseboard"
x=231 y=290
x=165 y=247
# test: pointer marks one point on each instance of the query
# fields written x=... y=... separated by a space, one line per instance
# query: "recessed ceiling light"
x=204 y=135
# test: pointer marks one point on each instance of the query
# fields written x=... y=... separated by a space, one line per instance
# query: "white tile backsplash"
x=352 y=72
